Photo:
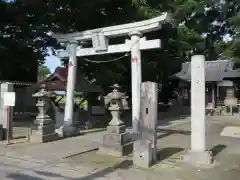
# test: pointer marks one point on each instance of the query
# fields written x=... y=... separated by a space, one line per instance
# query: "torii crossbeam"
x=100 y=45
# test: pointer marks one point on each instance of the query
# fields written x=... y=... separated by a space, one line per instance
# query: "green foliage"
x=43 y=70
x=198 y=26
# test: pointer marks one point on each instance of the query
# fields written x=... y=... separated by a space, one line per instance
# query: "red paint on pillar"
x=70 y=65
x=134 y=59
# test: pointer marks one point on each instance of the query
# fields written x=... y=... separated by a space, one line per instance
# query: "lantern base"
x=116 y=129
x=44 y=133
x=43 y=120
x=116 y=142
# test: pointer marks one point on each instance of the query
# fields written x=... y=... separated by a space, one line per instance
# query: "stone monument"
x=116 y=142
x=45 y=125
x=144 y=154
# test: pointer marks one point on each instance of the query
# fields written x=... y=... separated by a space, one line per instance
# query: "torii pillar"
x=69 y=128
x=136 y=79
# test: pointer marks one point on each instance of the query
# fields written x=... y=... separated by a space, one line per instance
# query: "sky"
x=52 y=61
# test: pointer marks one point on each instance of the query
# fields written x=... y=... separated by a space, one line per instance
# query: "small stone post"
x=144 y=154
x=198 y=153
x=45 y=125
x=116 y=142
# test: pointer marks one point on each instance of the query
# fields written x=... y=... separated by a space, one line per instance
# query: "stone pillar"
x=116 y=142
x=45 y=125
x=136 y=79
x=69 y=128
x=145 y=150
x=5 y=87
x=198 y=153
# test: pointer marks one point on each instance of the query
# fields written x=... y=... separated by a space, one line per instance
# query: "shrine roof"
x=58 y=81
x=215 y=71
x=60 y=73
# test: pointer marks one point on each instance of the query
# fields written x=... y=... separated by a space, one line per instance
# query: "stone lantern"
x=230 y=100
x=45 y=125
x=116 y=142
x=117 y=103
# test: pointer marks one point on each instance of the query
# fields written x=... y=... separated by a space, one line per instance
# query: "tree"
x=198 y=26
x=26 y=26
x=43 y=71
x=18 y=58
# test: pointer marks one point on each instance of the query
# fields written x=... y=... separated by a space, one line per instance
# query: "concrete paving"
x=46 y=161
x=53 y=150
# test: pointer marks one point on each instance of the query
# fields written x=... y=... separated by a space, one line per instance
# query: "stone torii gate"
x=100 y=42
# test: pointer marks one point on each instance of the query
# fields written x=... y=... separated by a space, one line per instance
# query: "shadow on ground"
x=217 y=149
x=47 y=175
x=168 y=132
x=166 y=153
x=164 y=118
x=83 y=132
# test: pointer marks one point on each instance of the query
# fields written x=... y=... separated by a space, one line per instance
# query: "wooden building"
x=220 y=79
